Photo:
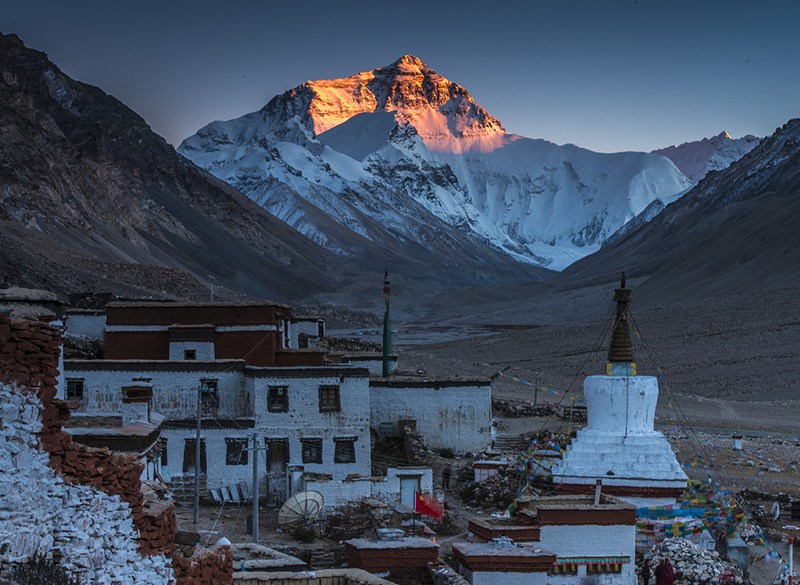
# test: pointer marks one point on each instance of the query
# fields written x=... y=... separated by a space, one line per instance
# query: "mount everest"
x=401 y=158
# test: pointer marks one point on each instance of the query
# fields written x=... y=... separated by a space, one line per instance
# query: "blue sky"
x=604 y=74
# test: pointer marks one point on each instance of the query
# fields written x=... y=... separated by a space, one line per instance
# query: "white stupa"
x=619 y=445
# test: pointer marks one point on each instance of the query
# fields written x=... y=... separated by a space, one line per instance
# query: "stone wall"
x=29 y=353
x=450 y=415
x=84 y=506
x=89 y=532
x=204 y=567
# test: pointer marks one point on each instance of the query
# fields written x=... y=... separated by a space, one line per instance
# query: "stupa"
x=619 y=445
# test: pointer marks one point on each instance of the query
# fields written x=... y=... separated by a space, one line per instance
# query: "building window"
x=190 y=354
x=189 y=454
x=344 y=450
x=278 y=399
x=209 y=403
x=164 y=459
x=329 y=398
x=312 y=450
x=277 y=455
x=209 y=386
x=75 y=388
x=235 y=451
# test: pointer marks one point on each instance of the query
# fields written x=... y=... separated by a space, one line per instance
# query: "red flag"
x=428 y=506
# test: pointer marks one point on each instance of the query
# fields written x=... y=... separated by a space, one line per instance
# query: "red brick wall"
x=137 y=345
x=300 y=358
x=193 y=315
x=256 y=347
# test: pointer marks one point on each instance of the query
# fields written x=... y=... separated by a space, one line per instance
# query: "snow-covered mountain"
x=400 y=156
x=696 y=159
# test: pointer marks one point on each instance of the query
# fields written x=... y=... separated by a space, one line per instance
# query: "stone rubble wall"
x=204 y=567
x=91 y=533
x=29 y=353
x=83 y=505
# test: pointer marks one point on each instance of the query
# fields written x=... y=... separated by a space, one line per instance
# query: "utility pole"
x=536 y=390
x=197 y=459
x=387 y=327
x=255 y=488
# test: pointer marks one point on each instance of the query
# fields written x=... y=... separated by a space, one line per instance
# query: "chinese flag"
x=428 y=506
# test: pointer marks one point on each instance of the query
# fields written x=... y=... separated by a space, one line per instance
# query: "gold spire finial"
x=620 y=351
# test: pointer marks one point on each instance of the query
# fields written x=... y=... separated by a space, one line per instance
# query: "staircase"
x=510 y=444
x=182 y=489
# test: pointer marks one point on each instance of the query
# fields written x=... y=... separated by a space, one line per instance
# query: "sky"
x=609 y=75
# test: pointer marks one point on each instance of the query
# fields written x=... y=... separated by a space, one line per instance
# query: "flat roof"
x=490 y=549
x=407 y=542
x=158 y=304
x=427 y=382
x=576 y=502
x=153 y=365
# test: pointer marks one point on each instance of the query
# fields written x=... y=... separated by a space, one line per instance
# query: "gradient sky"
x=608 y=75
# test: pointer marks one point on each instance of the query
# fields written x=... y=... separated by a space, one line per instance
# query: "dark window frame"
x=330 y=398
x=189 y=355
x=311 y=450
x=209 y=386
x=270 y=455
x=70 y=392
x=274 y=405
x=236 y=451
x=344 y=449
x=187 y=463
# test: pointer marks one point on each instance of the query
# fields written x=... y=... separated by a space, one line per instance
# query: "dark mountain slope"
x=90 y=197
x=737 y=231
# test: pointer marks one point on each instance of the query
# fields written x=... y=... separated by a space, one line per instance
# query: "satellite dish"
x=300 y=509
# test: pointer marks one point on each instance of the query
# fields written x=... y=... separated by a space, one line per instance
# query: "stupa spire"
x=620 y=351
x=387 y=327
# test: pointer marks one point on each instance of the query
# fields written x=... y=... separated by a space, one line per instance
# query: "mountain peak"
x=724 y=135
x=442 y=113
x=409 y=59
x=409 y=63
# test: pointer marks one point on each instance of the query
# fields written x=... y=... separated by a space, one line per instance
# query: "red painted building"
x=254 y=332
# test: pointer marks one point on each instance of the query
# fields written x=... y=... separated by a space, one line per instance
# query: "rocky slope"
x=735 y=232
x=401 y=157
x=697 y=159
x=92 y=199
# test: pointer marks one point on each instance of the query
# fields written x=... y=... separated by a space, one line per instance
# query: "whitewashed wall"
x=219 y=473
x=486 y=578
x=458 y=418
x=86 y=325
x=204 y=350
x=339 y=493
x=304 y=420
x=174 y=392
x=592 y=541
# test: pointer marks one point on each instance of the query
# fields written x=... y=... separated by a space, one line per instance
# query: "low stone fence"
x=326 y=577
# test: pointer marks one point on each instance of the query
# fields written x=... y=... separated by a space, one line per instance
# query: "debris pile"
x=521 y=408
x=692 y=564
x=416 y=451
x=356 y=520
x=496 y=492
